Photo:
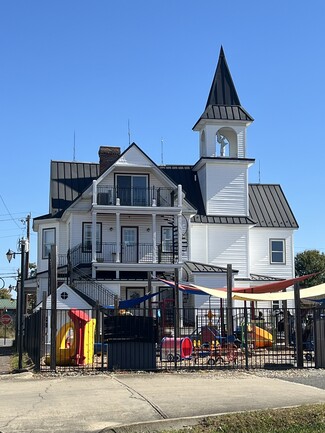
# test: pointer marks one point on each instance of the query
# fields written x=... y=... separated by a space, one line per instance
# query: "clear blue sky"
x=89 y=66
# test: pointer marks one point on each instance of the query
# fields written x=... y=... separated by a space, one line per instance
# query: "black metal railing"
x=92 y=289
x=129 y=253
x=159 y=337
x=153 y=196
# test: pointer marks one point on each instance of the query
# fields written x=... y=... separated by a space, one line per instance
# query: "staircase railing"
x=92 y=289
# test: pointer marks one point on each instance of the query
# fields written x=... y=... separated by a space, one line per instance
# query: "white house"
x=117 y=221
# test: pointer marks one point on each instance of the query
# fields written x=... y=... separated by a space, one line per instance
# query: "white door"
x=129 y=244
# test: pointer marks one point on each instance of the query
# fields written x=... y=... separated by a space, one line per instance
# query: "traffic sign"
x=5 y=319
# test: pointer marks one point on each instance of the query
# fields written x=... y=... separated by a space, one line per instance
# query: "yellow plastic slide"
x=262 y=337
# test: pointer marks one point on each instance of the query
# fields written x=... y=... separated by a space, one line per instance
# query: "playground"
x=144 y=339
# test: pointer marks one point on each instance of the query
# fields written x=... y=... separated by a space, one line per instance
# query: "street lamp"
x=20 y=297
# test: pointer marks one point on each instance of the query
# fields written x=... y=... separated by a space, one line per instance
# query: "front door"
x=129 y=244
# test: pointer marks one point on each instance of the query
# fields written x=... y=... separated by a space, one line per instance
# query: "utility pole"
x=28 y=240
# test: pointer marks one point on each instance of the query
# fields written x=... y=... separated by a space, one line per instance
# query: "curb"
x=159 y=425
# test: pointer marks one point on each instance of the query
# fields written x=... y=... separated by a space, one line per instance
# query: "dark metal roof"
x=223 y=91
x=268 y=206
x=222 y=219
x=202 y=267
x=267 y=203
x=68 y=181
x=185 y=176
x=224 y=112
x=223 y=102
x=258 y=277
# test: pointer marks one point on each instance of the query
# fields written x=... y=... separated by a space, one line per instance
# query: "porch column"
x=93 y=242
x=94 y=193
x=154 y=238
x=179 y=236
x=118 y=237
x=179 y=196
x=179 y=222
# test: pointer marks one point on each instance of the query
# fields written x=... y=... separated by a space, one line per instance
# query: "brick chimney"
x=107 y=156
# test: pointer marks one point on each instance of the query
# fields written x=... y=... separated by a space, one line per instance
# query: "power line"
x=9 y=213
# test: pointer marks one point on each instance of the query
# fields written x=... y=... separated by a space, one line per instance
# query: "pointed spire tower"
x=223 y=124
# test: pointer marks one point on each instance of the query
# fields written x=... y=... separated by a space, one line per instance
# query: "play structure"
x=184 y=349
x=75 y=340
x=261 y=337
x=216 y=353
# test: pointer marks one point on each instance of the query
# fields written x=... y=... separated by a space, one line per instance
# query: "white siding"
x=73 y=300
x=241 y=143
x=221 y=245
x=134 y=158
x=198 y=239
x=260 y=252
x=226 y=190
x=109 y=180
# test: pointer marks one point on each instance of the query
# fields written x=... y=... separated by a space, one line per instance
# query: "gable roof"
x=223 y=102
x=268 y=206
x=185 y=176
x=68 y=181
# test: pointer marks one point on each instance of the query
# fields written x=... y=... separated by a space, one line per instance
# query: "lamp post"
x=21 y=297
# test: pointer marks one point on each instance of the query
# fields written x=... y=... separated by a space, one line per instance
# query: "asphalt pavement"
x=138 y=402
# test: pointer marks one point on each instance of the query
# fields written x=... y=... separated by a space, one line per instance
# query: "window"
x=277 y=250
x=48 y=239
x=87 y=237
x=166 y=239
x=132 y=190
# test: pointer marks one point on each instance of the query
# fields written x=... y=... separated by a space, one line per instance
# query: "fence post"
x=299 y=348
x=246 y=335
x=53 y=287
x=176 y=317
x=230 y=327
x=43 y=324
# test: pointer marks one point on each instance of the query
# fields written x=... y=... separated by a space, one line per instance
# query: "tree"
x=309 y=262
x=5 y=294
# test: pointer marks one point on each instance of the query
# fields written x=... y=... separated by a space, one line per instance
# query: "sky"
x=77 y=74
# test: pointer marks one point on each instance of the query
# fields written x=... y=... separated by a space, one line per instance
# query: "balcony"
x=129 y=253
x=112 y=196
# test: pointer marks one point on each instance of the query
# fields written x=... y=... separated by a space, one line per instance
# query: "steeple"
x=222 y=90
x=223 y=124
x=223 y=102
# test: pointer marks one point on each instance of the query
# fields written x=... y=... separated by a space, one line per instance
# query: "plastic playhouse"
x=183 y=346
x=75 y=340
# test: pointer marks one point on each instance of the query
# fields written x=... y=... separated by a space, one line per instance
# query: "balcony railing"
x=129 y=253
x=112 y=196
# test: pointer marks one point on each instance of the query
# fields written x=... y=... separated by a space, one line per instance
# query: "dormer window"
x=132 y=190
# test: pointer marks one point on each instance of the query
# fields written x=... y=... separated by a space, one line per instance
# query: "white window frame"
x=48 y=239
x=274 y=251
x=87 y=237
x=133 y=199
x=167 y=239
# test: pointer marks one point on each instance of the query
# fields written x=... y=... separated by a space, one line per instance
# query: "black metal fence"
x=162 y=338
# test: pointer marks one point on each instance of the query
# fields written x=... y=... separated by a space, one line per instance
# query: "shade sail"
x=310 y=292
x=275 y=286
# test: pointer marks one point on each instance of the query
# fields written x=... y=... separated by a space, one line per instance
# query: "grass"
x=303 y=419
x=14 y=362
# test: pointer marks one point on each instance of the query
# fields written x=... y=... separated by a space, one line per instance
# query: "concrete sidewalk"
x=31 y=403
